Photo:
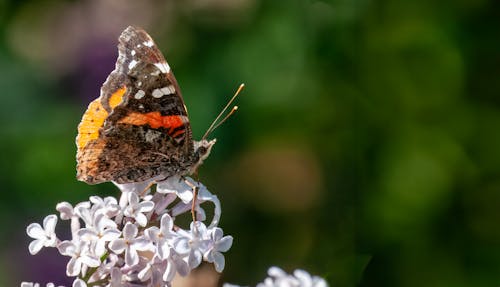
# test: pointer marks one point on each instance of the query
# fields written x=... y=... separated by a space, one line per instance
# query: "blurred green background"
x=366 y=148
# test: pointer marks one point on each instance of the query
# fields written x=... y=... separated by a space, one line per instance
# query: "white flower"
x=161 y=236
x=130 y=244
x=103 y=230
x=193 y=243
x=81 y=257
x=135 y=208
x=135 y=254
x=79 y=283
x=175 y=265
x=300 y=278
x=109 y=206
x=44 y=237
x=219 y=244
x=307 y=280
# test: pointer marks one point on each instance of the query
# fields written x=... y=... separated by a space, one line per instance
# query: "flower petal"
x=142 y=244
x=74 y=267
x=67 y=248
x=65 y=209
x=131 y=256
x=141 y=219
x=129 y=231
x=79 y=283
x=110 y=234
x=35 y=246
x=87 y=234
x=219 y=261
x=225 y=243
x=90 y=261
x=181 y=245
x=146 y=206
x=194 y=259
x=35 y=230
x=117 y=246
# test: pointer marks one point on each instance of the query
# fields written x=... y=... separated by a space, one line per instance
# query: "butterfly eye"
x=202 y=150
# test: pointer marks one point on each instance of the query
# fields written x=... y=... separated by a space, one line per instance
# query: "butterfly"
x=138 y=129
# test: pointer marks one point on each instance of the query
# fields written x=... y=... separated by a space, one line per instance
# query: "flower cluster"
x=134 y=241
x=279 y=278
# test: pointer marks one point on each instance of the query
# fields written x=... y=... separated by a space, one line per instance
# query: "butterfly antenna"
x=215 y=123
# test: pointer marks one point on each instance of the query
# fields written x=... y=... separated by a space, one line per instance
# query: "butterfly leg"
x=195 y=197
x=143 y=192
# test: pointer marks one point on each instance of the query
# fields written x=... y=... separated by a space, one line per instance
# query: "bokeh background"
x=366 y=149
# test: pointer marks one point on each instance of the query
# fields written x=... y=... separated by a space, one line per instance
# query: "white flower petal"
x=169 y=273
x=225 y=243
x=219 y=261
x=131 y=256
x=276 y=272
x=100 y=248
x=79 y=283
x=163 y=250
x=35 y=246
x=49 y=224
x=67 y=248
x=166 y=224
x=142 y=244
x=319 y=282
x=65 y=209
x=145 y=273
x=87 y=234
x=110 y=234
x=146 y=206
x=90 y=261
x=73 y=268
x=194 y=259
x=181 y=245
x=141 y=219
x=117 y=246
x=152 y=233
x=180 y=265
x=217 y=234
x=116 y=277
x=304 y=277
x=133 y=199
x=35 y=230
x=129 y=231
x=185 y=195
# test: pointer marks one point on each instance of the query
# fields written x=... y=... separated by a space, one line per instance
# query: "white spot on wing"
x=140 y=94
x=148 y=43
x=132 y=52
x=168 y=90
x=155 y=73
x=139 y=83
x=132 y=64
x=163 y=67
x=157 y=93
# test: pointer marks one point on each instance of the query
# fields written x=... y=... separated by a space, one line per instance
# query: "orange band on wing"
x=154 y=120
x=92 y=121
x=117 y=97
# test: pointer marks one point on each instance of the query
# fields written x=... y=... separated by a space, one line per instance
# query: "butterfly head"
x=202 y=151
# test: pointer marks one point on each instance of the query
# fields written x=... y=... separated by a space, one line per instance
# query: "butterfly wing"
x=138 y=128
